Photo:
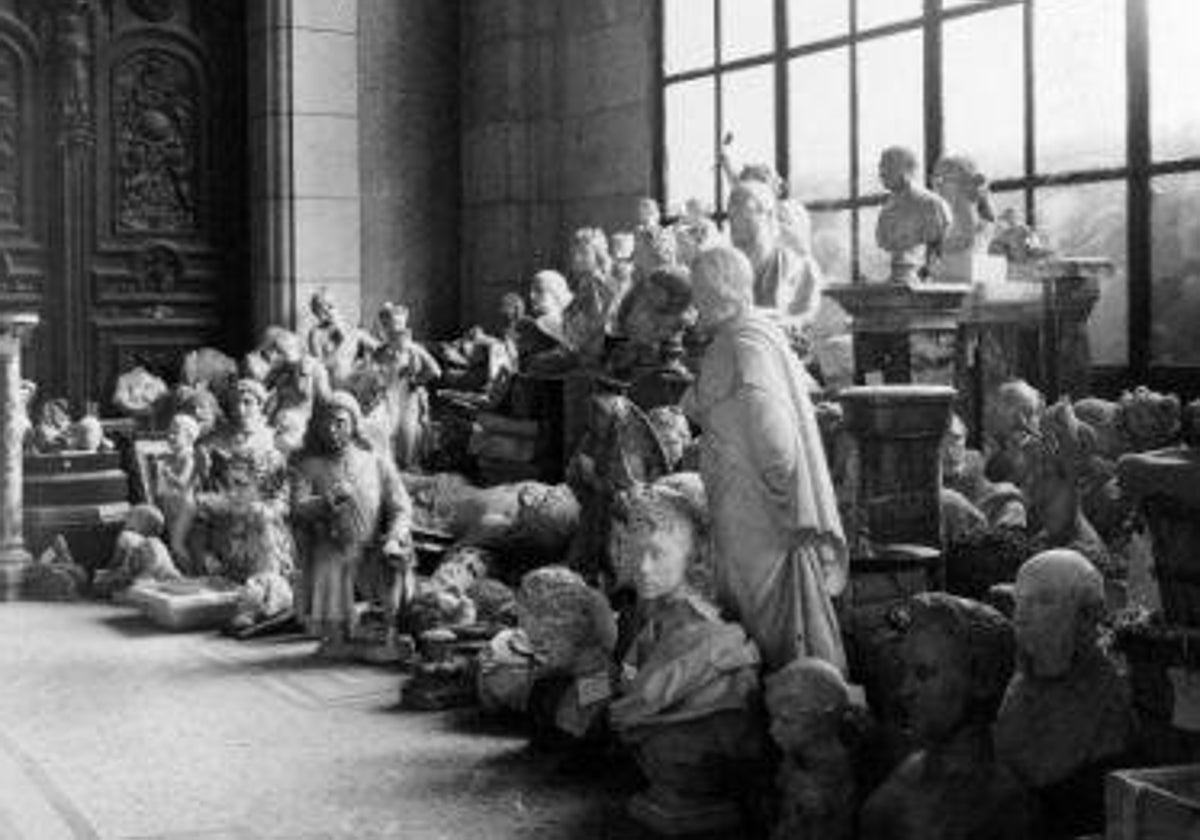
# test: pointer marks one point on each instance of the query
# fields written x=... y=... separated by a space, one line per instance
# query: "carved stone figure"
x=336 y=344
x=653 y=317
x=1013 y=418
x=957 y=656
x=541 y=340
x=912 y=220
x=355 y=520
x=177 y=478
x=477 y=368
x=811 y=719
x=970 y=502
x=52 y=432
x=687 y=704
x=1066 y=718
x=138 y=391
x=780 y=550
x=572 y=633
x=694 y=232
x=404 y=368
x=958 y=180
x=586 y=317
x=787 y=283
x=295 y=382
x=241 y=528
x=139 y=553
x=1016 y=241
x=618 y=450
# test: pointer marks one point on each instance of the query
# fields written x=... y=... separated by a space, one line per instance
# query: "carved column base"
x=13 y=563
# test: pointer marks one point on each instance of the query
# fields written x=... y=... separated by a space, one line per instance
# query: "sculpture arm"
x=397 y=511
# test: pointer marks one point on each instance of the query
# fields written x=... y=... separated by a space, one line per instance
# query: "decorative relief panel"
x=156 y=125
x=155 y=11
x=10 y=138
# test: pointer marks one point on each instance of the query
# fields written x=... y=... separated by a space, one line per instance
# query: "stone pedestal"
x=903 y=332
x=971 y=267
x=13 y=555
x=1070 y=290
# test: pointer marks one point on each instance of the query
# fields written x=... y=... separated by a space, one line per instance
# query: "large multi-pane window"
x=1082 y=113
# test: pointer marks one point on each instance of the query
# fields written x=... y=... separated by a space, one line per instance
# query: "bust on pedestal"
x=13 y=555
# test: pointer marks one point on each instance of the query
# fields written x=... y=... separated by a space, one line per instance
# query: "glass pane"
x=819 y=111
x=690 y=125
x=1175 y=268
x=873 y=262
x=872 y=13
x=749 y=106
x=983 y=91
x=1079 y=56
x=815 y=20
x=1090 y=221
x=1174 y=69
x=747 y=28
x=831 y=244
x=689 y=36
x=890 y=101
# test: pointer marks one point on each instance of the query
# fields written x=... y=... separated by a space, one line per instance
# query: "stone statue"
x=969 y=501
x=586 y=317
x=1017 y=241
x=655 y=244
x=138 y=391
x=572 y=632
x=295 y=382
x=694 y=232
x=958 y=180
x=687 y=704
x=177 y=478
x=1011 y=420
x=653 y=317
x=241 y=531
x=52 y=431
x=957 y=656
x=542 y=344
x=404 y=367
x=912 y=220
x=1066 y=718
x=354 y=520
x=780 y=551
x=476 y=367
x=339 y=346
x=618 y=449
x=812 y=720
x=787 y=283
x=139 y=554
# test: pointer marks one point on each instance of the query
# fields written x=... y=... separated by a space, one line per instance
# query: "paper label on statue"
x=593 y=689
x=1186 y=689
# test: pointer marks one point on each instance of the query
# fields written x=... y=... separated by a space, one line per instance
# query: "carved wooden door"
x=122 y=183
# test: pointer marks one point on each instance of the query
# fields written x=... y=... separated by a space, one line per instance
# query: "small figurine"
x=339 y=346
x=26 y=394
x=812 y=718
x=512 y=312
x=404 y=368
x=1066 y=718
x=694 y=232
x=958 y=656
x=139 y=553
x=687 y=704
x=969 y=501
x=52 y=432
x=654 y=245
x=178 y=477
x=354 y=520
x=653 y=317
x=1016 y=241
x=444 y=600
x=87 y=433
x=541 y=340
x=138 y=391
x=586 y=318
x=1011 y=420
x=296 y=382
x=912 y=220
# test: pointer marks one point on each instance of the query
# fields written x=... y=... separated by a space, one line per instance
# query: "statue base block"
x=970 y=267
x=673 y=816
x=185 y=605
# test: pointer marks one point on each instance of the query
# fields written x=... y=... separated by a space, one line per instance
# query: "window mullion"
x=1139 y=195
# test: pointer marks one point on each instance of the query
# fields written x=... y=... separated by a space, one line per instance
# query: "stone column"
x=13 y=556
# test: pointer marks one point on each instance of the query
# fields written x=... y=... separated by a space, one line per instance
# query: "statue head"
x=589 y=252
x=322 y=307
x=808 y=701
x=763 y=173
x=146 y=520
x=87 y=434
x=250 y=396
x=338 y=420
x=182 y=433
x=722 y=286
x=1059 y=604
x=954 y=447
x=660 y=533
x=623 y=243
x=288 y=347
x=202 y=404
x=897 y=168
x=753 y=217
x=958 y=657
x=549 y=294
x=1015 y=412
x=648 y=213
x=512 y=308
x=956 y=177
x=570 y=626
x=393 y=322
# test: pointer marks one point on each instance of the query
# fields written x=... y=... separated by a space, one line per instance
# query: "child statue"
x=912 y=220
x=1066 y=718
x=176 y=481
x=354 y=521
x=958 y=656
x=812 y=718
x=687 y=704
x=139 y=554
x=405 y=367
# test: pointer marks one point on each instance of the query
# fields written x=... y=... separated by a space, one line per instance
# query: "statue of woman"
x=339 y=346
x=405 y=368
x=780 y=551
x=958 y=180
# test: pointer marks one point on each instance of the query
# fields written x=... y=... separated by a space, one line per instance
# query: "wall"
x=409 y=158
x=557 y=116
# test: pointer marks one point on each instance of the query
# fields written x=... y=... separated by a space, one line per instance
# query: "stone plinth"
x=971 y=268
x=1070 y=290
x=903 y=332
x=14 y=558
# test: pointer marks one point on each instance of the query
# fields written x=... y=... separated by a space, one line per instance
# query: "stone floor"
x=113 y=730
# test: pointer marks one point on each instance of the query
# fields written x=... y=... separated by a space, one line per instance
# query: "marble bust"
x=912 y=220
x=1066 y=717
x=958 y=180
x=957 y=656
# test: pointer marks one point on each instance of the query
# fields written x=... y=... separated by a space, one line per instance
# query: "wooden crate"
x=1162 y=803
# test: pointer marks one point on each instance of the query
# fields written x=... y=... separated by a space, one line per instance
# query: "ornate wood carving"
x=155 y=11
x=11 y=110
x=156 y=141
x=73 y=51
x=158 y=267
